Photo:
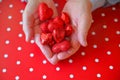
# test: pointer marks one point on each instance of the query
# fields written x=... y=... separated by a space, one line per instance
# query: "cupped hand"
x=80 y=14
x=31 y=25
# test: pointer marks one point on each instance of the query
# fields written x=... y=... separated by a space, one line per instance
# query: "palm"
x=81 y=20
x=31 y=27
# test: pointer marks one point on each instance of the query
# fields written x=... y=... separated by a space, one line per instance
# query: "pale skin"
x=80 y=14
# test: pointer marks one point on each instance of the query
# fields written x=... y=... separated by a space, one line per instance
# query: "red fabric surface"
x=19 y=60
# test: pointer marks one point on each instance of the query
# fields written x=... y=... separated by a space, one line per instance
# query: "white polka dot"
x=17 y=77
x=56 y=4
x=19 y=48
x=115 y=20
x=118 y=45
x=108 y=52
x=0 y=1
x=118 y=32
x=84 y=68
x=102 y=14
x=57 y=68
x=31 y=55
x=5 y=55
x=31 y=69
x=106 y=39
x=94 y=46
x=83 y=53
x=93 y=33
x=21 y=22
x=70 y=60
x=104 y=26
x=32 y=41
x=8 y=29
x=111 y=67
x=7 y=42
x=9 y=17
x=18 y=62
x=44 y=61
x=11 y=6
x=44 y=76
x=96 y=60
x=4 y=70
x=113 y=8
x=71 y=76
x=98 y=75
x=21 y=11
x=20 y=35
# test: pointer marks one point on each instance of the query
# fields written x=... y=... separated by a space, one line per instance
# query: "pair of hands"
x=80 y=14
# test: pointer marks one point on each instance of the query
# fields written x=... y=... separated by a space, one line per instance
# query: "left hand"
x=80 y=14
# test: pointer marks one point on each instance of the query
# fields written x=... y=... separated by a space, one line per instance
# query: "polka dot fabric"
x=19 y=60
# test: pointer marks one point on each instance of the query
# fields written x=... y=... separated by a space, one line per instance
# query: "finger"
x=72 y=50
x=53 y=60
x=46 y=50
x=28 y=20
x=84 y=23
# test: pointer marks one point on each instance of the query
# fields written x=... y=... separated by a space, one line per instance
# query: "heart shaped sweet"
x=68 y=30
x=46 y=38
x=62 y=46
x=55 y=32
x=45 y=12
x=58 y=35
x=54 y=25
x=44 y=27
x=65 y=18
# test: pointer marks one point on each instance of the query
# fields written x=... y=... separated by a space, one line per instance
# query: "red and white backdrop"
x=19 y=60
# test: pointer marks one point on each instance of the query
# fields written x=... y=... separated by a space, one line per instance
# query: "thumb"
x=84 y=24
x=28 y=21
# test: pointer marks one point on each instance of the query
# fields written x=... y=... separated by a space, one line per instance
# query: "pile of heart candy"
x=55 y=32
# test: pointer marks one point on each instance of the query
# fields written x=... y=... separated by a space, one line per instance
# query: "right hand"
x=31 y=25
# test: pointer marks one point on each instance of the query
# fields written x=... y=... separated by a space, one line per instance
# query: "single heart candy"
x=65 y=18
x=68 y=30
x=44 y=27
x=58 y=35
x=60 y=47
x=45 y=12
x=53 y=25
x=45 y=38
x=58 y=20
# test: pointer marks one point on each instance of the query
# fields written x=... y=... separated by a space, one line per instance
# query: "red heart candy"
x=58 y=35
x=46 y=38
x=45 y=12
x=50 y=13
x=68 y=30
x=65 y=45
x=58 y=20
x=51 y=43
x=62 y=46
x=44 y=27
x=54 y=25
x=65 y=18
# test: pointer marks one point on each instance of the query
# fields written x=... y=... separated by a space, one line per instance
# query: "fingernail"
x=84 y=43
x=54 y=60
x=27 y=39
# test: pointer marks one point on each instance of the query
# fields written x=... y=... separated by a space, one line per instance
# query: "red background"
x=19 y=60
